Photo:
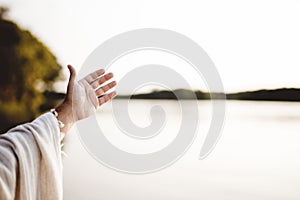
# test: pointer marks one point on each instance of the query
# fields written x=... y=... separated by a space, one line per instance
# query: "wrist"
x=65 y=115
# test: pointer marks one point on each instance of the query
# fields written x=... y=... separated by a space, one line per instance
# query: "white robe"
x=30 y=161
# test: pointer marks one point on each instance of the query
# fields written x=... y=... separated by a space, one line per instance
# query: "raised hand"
x=85 y=96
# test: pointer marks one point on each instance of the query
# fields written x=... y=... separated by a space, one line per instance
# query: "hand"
x=84 y=97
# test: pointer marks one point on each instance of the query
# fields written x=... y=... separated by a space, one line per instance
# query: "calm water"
x=257 y=157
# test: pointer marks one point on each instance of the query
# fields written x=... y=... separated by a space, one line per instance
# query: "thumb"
x=71 y=80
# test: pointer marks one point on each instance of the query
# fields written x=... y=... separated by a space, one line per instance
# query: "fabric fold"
x=30 y=160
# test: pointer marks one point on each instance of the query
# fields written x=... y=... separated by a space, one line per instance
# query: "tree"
x=27 y=70
x=3 y=12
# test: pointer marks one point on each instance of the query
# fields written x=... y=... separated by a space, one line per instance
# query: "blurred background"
x=28 y=71
x=255 y=46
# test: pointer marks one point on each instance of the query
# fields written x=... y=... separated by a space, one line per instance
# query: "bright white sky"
x=254 y=44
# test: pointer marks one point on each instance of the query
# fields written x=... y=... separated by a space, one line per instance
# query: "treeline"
x=282 y=94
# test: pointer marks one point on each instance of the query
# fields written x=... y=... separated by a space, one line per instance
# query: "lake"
x=257 y=156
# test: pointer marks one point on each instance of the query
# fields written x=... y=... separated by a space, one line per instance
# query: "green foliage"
x=27 y=70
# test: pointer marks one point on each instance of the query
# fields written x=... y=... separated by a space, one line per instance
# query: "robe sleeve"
x=30 y=160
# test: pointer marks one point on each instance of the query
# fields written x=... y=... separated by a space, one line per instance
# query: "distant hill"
x=165 y=94
x=283 y=94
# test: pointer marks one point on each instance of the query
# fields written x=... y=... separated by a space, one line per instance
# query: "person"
x=30 y=154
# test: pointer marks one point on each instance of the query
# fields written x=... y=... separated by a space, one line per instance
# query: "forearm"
x=65 y=115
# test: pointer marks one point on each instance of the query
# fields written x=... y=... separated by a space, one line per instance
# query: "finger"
x=100 y=91
x=101 y=80
x=106 y=98
x=71 y=79
x=93 y=76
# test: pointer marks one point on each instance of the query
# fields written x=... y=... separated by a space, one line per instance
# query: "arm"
x=30 y=155
x=30 y=160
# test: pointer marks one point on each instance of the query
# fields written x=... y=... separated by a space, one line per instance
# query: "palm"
x=89 y=93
